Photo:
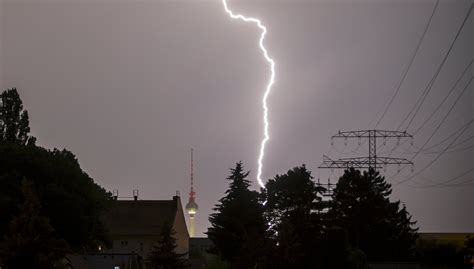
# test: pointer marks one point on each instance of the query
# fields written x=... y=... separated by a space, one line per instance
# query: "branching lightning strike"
x=268 y=89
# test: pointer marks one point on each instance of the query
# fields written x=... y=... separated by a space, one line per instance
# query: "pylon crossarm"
x=388 y=160
x=371 y=133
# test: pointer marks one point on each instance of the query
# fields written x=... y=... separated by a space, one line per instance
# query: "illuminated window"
x=116 y=267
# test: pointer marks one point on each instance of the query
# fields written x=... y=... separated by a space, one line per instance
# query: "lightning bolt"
x=268 y=89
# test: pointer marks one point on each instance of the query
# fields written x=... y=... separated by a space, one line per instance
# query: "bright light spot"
x=268 y=89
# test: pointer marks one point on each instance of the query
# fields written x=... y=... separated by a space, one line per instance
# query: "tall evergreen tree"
x=14 y=120
x=238 y=226
x=293 y=207
x=163 y=254
x=382 y=229
x=30 y=242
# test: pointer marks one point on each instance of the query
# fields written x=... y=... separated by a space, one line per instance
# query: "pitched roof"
x=142 y=217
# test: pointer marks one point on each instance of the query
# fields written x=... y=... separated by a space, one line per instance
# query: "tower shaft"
x=192 y=228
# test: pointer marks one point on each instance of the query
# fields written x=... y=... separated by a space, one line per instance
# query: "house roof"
x=141 y=217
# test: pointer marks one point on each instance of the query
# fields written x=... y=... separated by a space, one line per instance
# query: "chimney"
x=177 y=196
x=115 y=194
x=135 y=194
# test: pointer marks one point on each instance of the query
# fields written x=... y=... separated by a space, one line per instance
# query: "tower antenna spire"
x=192 y=193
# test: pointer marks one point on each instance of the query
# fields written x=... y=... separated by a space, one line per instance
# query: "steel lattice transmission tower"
x=372 y=161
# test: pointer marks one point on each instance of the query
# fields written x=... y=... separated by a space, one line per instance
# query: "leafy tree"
x=293 y=207
x=30 y=242
x=14 y=121
x=163 y=255
x=71 y=200
x=238 y=226
x=337 y=252
x=382 y=229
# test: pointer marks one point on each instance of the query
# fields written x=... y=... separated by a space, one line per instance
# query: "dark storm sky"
x=130 y=86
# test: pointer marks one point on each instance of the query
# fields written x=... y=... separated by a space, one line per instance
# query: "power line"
x=422 y=98
x=467 y=139
x=462 y=183
x=435 y=159
x=439 y=143
x=449 y=151
x=451 y=135
x=465 y=184
x=445 y=98
x=409 y=65
x=438 y=151
x=441 y=123
x=432 y=80
x=427 y=150
x=445 y=117
x=445 y=183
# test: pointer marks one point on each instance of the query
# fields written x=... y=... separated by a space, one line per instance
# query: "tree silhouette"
x=14 y=120
x=30 y=242
x=71 y=200
x=163 y=254
x=293 y=207
x=238 y=226
x=382 y=229
x=212 y=261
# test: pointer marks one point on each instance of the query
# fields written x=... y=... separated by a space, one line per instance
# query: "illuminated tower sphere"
x=191 y=206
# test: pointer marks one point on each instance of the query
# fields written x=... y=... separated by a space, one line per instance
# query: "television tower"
x=191 y=206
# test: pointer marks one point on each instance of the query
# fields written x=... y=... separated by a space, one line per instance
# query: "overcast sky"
x=130 y=86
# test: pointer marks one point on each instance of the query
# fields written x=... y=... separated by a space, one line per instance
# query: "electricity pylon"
x=372 y=161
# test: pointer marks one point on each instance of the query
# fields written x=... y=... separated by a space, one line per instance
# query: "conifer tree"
x=163 y=254
x=382 y=229
x=30 y=242
x=238 y=226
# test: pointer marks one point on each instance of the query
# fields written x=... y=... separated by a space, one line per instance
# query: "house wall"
x=140 y=245
x=103 y=261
